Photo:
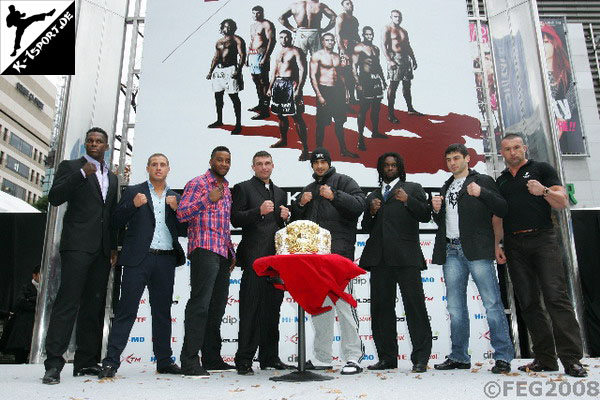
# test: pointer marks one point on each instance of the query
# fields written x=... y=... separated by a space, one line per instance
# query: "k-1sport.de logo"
x=37 y=37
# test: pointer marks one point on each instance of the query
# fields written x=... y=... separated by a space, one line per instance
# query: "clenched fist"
x=139 y=200
x=400 y=194
x=284 y=213
x=266 y=207
x=172 y=201
x=474 y=189
x=325 y=191
x=216 y=193
x=535 y=187
x=89 y=168
x=375 y=206
x=306 y=197
x=436 y=203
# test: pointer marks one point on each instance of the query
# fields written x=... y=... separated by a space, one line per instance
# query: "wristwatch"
x=546 y=192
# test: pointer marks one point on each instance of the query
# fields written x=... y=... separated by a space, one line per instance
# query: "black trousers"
x=535 y=267
x=260 y=305
x=158 y=273
x=209 y=280
x=383 y=312
x=81 y=297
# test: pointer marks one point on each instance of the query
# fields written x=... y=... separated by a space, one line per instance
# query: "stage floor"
x=140 y=381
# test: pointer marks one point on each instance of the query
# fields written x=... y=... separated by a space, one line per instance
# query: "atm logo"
x=485 y=335
x=130 y=359
x=231 y=301
x=292 y=339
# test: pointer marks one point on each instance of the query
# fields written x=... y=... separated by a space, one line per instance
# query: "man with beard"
x=370 y=84
x=286 y=87
x=346 y=34
x=401 y=63
x=308 y=15
x=327 y=79
x=259 y=209
x=262 y=43
x=532 y=189
x=334 y=201
x=393 y=255
x=226 y=73
x=206 y=207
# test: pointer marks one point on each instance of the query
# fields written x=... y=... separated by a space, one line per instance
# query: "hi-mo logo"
x=137 y=339
x=292 y=339
x=231 y=301
x=480 y=316
x=130 y=359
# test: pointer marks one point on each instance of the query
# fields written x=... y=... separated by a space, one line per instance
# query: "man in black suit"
x=88 y=248
x=150 y=254
x=393 y=255
x=259 y=209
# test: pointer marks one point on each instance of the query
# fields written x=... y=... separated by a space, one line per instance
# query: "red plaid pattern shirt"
x=208 y=222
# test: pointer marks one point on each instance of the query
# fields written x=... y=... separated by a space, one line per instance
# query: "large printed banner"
x=191 y=68
x=562 y=86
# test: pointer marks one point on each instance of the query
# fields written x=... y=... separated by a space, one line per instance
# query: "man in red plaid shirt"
x=206 y=207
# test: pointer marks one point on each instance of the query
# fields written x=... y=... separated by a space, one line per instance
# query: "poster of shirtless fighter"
x=355 y=76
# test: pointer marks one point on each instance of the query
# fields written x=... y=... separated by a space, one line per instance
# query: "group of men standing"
x=339 y=79
x=474 y=215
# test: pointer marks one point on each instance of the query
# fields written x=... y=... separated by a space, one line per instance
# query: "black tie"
x=386 y=193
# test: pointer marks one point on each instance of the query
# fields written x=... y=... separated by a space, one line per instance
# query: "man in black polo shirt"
x=531 y=190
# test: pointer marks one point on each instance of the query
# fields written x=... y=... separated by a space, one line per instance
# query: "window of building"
x=35 y=153
x=1 y=157
x=21 y=145
x=17 y=166
x=5 y=134
x=35 y=198
x=32 y=175
x=13 y=189
x=29 y=197
x=37 y=178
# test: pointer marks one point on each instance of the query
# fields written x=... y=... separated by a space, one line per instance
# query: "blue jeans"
x=456 y=275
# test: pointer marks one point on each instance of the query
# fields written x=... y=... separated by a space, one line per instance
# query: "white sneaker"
x=351 y=368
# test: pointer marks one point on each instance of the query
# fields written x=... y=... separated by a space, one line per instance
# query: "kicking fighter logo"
x=37 y=37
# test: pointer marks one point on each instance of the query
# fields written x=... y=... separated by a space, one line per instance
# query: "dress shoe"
x=256 y=108
x=172 y=369
x=195 y=371
x=276 y=364
x=261 y=116
x=236 y=130
x=414 y=112
x=310 y=366
x=222 y=366
x=501 y=367
x=575 y=370
x=451 y=364
x=419 y=368
x=351 y=368
x=107 y=371
x=51 y=377
x=245 y=370
x=536 y=366
x=381 y=365
x=279 y=143
x=89 y=370
x=216 y=124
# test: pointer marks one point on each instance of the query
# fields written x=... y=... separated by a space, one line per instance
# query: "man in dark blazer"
x=88 y=248
x=259 y=208
x=464 y=245
x=150 y=253
x=393 y=255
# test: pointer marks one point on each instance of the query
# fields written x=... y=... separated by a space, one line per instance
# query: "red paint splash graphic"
x=423 y=154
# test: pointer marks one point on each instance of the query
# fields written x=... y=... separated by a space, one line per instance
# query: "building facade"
x=26 y=118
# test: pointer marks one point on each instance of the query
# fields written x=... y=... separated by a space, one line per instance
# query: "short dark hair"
x=457 y=148
x=327 y=34
x=231 y=23
x=157 y=155
x=514 y=136
x=368 y=28
x=395 y=11
x=342 y=2
x=261 y=153
x=217 y=149
x=399 y=163
x=258 y=8
x=286 y=32
x=97 y=130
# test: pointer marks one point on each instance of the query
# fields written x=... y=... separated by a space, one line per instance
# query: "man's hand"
x=474 y=189
x=284 y=212
x=139 y=200
x=89 y=168
x=321 y=100
x=216 y=193
x=209 y=76
x=113 y=258
x=306 y=197
x=326 y=192
x=232 y=265
x=535 y=187
x=172 y=201
x=375 y=206
x=436 y=203
x=266 y=207
x=500 y=256
x=400 y=194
